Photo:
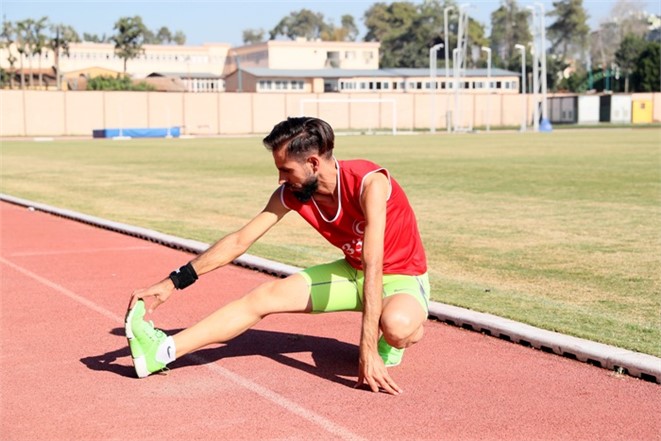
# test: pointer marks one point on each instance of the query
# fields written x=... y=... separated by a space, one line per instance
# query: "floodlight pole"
x=488 y=51
x=524 y=99
x=543 y=55
x=459 y=59
x=447 y=63
x=455 y=86
x=535 y=69
x=433 y=58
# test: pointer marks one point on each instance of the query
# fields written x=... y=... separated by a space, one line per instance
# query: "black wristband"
x=184 y=276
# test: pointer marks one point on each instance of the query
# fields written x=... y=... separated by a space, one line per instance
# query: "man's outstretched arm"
x=220 y=253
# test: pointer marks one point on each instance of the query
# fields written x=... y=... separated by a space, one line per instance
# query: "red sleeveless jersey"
x=403 y=250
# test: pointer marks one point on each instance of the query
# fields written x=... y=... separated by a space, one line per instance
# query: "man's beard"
x=307 y=190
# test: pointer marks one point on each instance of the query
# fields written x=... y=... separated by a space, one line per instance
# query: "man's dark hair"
x=302 y=135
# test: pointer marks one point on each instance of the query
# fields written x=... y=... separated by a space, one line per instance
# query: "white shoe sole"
x=127 y=324
x=140 y=365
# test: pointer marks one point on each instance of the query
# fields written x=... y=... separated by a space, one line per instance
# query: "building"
x=266 y=80
x=298 y=66
x=304 y=54
x=197 y=64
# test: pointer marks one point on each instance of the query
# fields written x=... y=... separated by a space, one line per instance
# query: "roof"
x=262 y=72
x=202 y=75
x=424 y=72
x=317 y=73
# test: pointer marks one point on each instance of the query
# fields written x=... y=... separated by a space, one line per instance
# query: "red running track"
x=66 y=373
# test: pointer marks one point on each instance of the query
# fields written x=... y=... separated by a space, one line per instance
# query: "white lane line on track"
x=88 y=251
x=264 y=392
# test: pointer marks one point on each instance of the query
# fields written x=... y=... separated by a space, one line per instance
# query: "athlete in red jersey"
x=403 y=252
x=358 y=207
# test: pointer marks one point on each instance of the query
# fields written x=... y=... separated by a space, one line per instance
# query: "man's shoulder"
x=358 y=166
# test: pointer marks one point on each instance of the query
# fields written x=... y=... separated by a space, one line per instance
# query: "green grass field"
x=560 y=230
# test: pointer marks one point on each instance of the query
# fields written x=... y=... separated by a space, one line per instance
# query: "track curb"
x=636 y=364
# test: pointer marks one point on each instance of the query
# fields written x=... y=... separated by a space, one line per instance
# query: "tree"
x=304 y=24
x=407 y=31
x=179 y=38
x=129 y=38
x=347 y=32
x=349 y=25
x=253 y=36
x=628 y=56
x=93 y=38
x=24 y=46
x=647 y=73
x=39 y=42
x=8 y=39
x=569 y=32
x=61 y=37
x=626 y=17
x=163 y=35
x=509 y=27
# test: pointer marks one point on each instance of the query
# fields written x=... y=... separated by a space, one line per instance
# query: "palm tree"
x=59 y=43
x=23 y=45
x=39 y=43
x=8 y=40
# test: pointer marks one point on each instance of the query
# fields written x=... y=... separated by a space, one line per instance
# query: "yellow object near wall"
x=641 y=111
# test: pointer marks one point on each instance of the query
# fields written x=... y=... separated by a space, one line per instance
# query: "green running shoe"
x=391 y=356
x=144 y=341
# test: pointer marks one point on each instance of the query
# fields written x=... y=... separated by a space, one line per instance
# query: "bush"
x=118 y=83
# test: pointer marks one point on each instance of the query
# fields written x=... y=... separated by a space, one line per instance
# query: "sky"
x=223 y=21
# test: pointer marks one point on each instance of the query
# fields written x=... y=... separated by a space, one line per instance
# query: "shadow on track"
x=332 y=358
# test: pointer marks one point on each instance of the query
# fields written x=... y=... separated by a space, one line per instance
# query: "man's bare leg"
x=279 y=296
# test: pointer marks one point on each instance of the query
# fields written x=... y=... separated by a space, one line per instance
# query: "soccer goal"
x=371 y=114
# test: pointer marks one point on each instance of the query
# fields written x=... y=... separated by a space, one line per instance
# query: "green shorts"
x=337 y=286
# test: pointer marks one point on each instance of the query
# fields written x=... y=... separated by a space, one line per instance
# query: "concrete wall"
x=42 y=113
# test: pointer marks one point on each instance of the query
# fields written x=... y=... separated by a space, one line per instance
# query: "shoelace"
x=153 y=333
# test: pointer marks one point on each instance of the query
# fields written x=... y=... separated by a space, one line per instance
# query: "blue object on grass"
x=137 y=133
x=545 y=126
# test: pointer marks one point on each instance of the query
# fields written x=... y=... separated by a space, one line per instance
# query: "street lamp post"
x=488 y=118
x=524 y=100
x=455 y=86
x=542 y=27
x=433 y=57
x=535 y=69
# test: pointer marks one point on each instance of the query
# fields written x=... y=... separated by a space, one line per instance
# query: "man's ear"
x=314 y=161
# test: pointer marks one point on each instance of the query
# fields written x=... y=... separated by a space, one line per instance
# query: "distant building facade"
x=272 y=66
x=265 y=80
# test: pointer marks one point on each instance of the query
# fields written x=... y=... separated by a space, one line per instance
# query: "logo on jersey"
x=359 y=227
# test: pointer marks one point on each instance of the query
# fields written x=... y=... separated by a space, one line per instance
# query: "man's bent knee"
x=400 y=331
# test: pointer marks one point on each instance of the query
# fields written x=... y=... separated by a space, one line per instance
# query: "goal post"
x=350 y=101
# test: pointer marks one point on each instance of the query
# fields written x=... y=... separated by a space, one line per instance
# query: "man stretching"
x=358 y=207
